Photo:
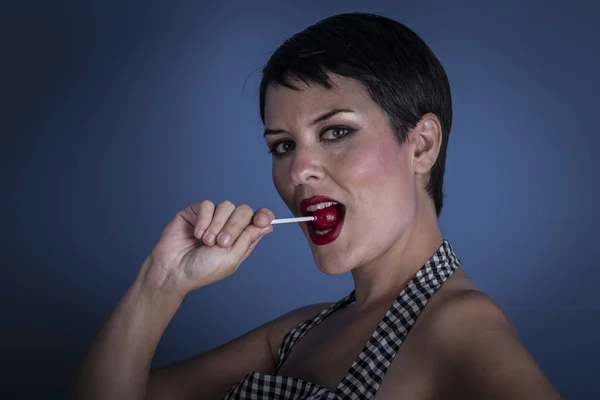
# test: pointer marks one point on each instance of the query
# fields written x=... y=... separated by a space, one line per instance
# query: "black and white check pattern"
x=368 y=370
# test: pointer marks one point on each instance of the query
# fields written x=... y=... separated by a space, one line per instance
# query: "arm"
x=186 y=258
x=118 y=361
x=213 y=373
x=479 y=355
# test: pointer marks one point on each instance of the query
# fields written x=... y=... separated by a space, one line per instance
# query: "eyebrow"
x=321 y=118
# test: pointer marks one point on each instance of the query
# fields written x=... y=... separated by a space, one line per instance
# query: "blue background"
x=115 y=116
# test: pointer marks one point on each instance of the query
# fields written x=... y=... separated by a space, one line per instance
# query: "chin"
x=330 y=264
x=329 y=259
x=332 y=271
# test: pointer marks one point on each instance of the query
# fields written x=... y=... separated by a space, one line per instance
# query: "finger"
x=205 y=211
x=239 y=219
x=247 y=240
x=221 y=215
x=263 y=217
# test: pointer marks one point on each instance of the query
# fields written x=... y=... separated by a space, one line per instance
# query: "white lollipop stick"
x=288 y=220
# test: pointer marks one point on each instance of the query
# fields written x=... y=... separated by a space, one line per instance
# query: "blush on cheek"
x=383 y=179
x=381 y=165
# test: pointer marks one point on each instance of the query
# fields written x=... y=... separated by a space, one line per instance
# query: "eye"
x=335 y=133
x=281 y=147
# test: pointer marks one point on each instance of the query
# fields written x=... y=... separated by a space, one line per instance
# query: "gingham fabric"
x=368 y=370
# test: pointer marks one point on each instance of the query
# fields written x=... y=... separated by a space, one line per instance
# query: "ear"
x=427 y=140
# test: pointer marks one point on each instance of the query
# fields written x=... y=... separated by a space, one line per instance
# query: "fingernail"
x=266 y=230
x=262 y=219
x=210 y=238
x=223 y=238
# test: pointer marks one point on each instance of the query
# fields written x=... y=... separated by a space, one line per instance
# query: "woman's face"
x=350 y=156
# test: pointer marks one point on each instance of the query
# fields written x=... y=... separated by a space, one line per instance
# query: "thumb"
x=247 y=240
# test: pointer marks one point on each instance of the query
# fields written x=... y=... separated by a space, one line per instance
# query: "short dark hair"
x=394 y=65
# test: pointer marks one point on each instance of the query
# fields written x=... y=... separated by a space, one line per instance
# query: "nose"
x=306 y=166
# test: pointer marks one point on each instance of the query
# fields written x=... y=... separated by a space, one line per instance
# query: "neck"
x=380 y=281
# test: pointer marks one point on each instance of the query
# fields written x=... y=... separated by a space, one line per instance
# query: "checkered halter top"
x=366 y=373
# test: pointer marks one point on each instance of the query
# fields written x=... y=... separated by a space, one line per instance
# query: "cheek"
x=277 y=181
x=386 y=187
x=383 y=167
x=282 y=183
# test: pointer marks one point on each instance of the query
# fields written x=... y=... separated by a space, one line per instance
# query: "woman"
x=357 y=113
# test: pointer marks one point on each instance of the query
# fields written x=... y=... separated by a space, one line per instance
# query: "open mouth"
x=329 y=217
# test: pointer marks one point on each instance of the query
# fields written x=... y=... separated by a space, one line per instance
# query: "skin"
x=462 y=345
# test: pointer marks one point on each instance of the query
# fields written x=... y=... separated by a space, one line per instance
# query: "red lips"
x=329 y=221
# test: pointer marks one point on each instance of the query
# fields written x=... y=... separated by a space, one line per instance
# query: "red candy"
x=325 y=218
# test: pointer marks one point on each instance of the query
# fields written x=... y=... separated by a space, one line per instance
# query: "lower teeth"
x=322 y=232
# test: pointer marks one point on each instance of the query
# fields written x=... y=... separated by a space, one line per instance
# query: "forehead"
x=287 y=106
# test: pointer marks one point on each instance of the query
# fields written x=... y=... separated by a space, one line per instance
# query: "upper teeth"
x=319 y=206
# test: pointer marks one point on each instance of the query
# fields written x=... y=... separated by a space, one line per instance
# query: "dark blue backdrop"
x=115 y=116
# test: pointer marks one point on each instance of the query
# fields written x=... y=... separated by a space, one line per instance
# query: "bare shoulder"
x=466 y=309
x=478 y=353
